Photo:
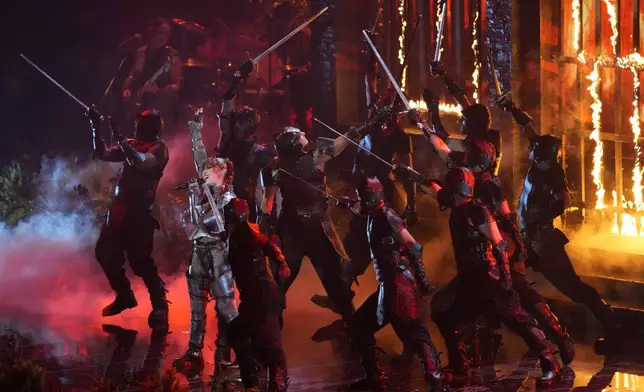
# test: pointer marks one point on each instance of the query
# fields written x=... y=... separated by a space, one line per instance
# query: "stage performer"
x=237 y=143
x=129 y=225
x=484 y=285
x=398 y=261
x=155 y=77
x=544 y=197
x=256 y=332
x=209 y=275
x=304 y=226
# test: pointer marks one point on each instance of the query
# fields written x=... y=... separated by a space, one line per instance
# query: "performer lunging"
x=485 y=282
x=397 y=259
x=256 y=332
x=304 y=226
x=209 y=275
x=237 y=142
x=544 y=197
x=129 y=225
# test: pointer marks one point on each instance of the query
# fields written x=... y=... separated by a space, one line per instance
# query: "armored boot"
x=324 y=302
x=457 y=371
x=124 y=300
x=223 y=353
x=560 y=335
x=549 y=366
x=277 y=378
x=475 y=361
x=191 y=364
x=431 y=367
x=374 y=377
x=158 y=318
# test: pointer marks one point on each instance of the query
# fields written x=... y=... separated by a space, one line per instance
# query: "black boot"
x=549 y=366
x=324 y=302
x=559 y=333
x=191 y=364
x=123 y=301
x=158 y=318
x=431 y=367
x=374 y=377
x=223 y=353
x=456 y=373
x=277 y=378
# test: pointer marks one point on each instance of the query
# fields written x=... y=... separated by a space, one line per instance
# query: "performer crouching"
x=257 y=329
x=209 y=275
x=485 y=282
x=129 y=226
x=397 y=259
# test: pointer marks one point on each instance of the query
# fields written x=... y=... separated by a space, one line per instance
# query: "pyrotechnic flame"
x=443 y=108
x=599 y=146
x=477 y=63
x=401 y=41
x=576 y=17
x=635 y=126
x=612 y=15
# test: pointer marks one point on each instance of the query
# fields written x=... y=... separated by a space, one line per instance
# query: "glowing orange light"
x=612 y=15
x=477 y=63
x=443 y=108
x=401 y=42
x=576 y=17
x=599 y=145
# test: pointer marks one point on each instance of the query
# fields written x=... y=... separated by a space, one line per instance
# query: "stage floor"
x=69 y=338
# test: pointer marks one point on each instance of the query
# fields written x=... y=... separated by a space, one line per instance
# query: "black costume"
x=256 y=332
x=304 y=226
x=129 y=225
x=400 y=271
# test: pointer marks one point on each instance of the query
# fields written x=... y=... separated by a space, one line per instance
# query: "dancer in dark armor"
x=544 y=197
x=237 y=142
x=397 y=259
x=129 y=225
x=209 y=275
x=304 y=226
x=256 y=332
x=484 y=279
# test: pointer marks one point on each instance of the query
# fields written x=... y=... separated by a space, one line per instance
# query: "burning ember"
x=612 y=15
x=444 y=108
x=599 y=145
x=401 y=42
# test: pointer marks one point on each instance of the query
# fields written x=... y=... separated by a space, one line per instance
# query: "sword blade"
x=439 y=36
x=384 y=67
x=55 y=82
x=354 y=143
x=499 y=93
x=288 y=36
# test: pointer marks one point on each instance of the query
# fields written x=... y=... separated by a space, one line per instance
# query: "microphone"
x=135 y=37
x=186 y=185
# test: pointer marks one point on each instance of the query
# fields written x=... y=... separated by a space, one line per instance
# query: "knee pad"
x=226 y=308
x=223 y=284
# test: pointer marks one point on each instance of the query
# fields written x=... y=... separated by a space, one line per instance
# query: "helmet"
x=289 y=142
x=459 y=181
x=236 y=211
x=371 y=192
x=149 y=124
x=261 y=155
x=476 y=118
x=482 y=154
x=545 y=148
x=245 y=120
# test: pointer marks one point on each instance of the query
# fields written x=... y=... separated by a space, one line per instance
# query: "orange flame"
x=401 y=42
x=576 y=17
x=477 y=63
x=612 y=15
x=599 y=145
x=443 y=108
x=439 y=16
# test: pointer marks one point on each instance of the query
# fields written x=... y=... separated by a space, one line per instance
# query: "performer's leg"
x=110 y=254
x=223 y=289
x=362 y=328
x=138 y=246
x=294 y=253
x=404 y=157
x=536 y=305
x=356 y=244
x=266 y=336
x=413 y=333
x=509 y=311
x=560 y=272
x=328 y=265
x=240 y=340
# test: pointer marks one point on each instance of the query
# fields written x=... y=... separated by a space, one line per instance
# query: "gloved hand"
x=402 y=171
x=245 y=69
x=414 y=116
x=425 y=288
x=345 y=202
x=505 y=102
x=436 y=68
x=94 y=115
x=115 y=129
